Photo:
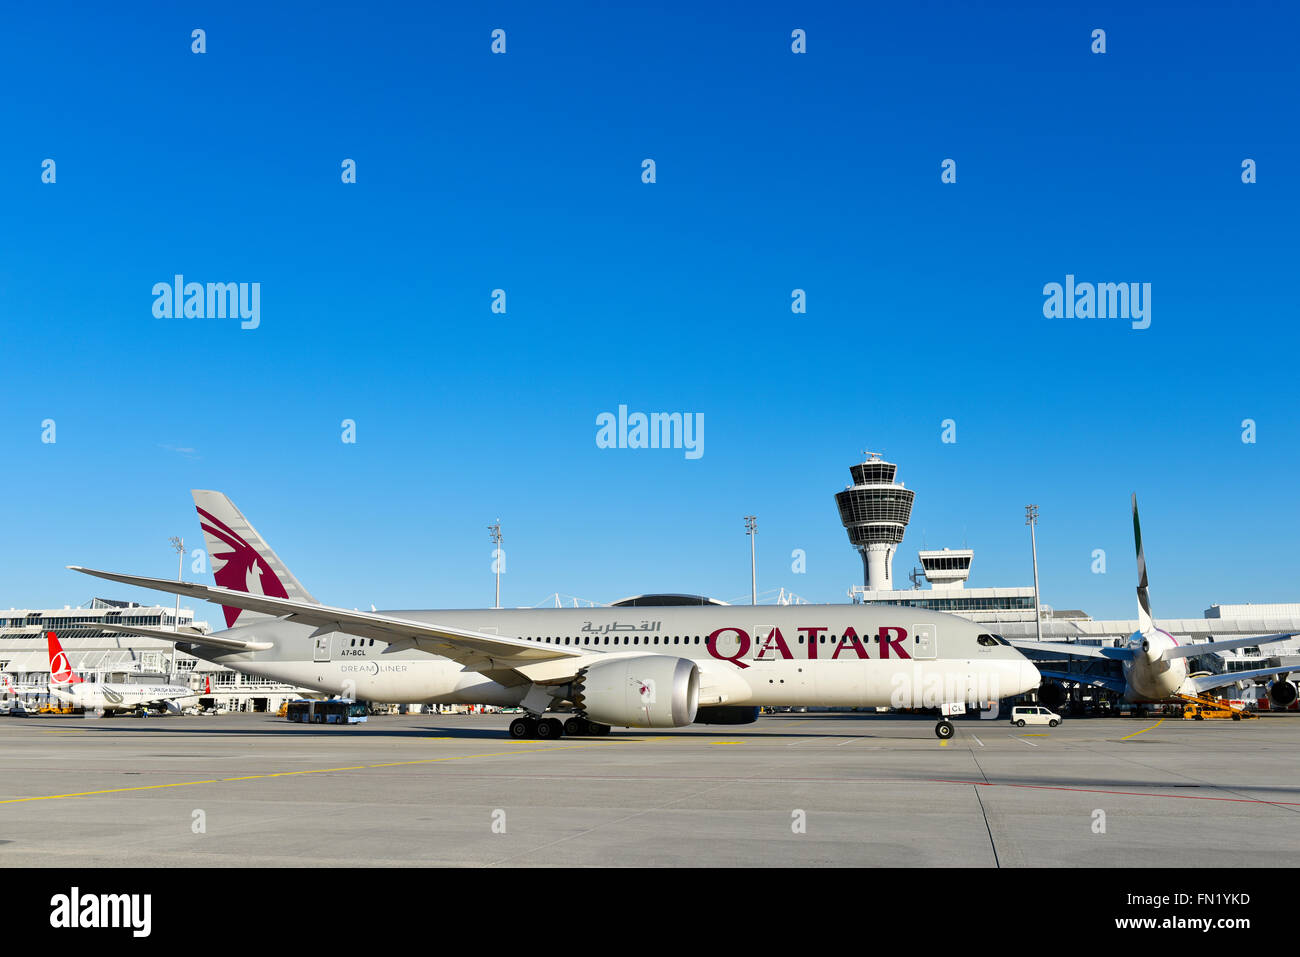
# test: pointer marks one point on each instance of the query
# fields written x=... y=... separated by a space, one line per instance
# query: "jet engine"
x=1051 y=694
x=727 y=714
x=648 y=691
x=1282 y=693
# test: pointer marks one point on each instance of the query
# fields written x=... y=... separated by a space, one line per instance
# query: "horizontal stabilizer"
x=1206 y=683
x=1213 y=647
x=189 y=637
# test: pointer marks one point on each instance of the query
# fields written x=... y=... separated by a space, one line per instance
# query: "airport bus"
x=333 y=711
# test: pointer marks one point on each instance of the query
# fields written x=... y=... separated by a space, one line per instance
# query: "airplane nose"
x=1029 y=677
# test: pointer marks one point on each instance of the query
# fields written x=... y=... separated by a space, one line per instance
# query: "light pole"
x=751 y=527
x=179 y=545
x=1031 y=519
x=495 y=530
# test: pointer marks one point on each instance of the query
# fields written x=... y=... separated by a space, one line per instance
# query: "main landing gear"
x=944 y=729
x=529 y=727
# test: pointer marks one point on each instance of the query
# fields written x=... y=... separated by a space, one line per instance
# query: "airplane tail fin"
x=1145 y=621
x=241 y=559
x=61 y=672
x=207 y=685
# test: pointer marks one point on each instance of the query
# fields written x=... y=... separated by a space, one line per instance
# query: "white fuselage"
x=102 y=696
x=827 y=655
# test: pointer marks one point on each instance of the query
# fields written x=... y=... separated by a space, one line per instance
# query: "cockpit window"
x=987 y=640
x=1002 y=641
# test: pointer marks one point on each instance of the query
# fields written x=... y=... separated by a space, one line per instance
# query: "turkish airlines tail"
x=61 y=672
x=241 y=559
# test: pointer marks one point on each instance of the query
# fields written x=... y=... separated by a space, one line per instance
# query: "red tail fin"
x=207 y=685
x=61 y=672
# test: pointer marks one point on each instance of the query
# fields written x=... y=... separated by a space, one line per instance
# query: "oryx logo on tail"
x=61 y=672
x=241 y=568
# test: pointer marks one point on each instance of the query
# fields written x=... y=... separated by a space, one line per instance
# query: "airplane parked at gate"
x=104 y=697
x=1153 y=665
x=653 y=665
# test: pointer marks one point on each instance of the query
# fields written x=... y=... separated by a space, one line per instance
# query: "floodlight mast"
x=1031 y=519
x=495 y=530
x=751 y=528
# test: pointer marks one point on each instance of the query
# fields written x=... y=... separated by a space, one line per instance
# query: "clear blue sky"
x=775 y=171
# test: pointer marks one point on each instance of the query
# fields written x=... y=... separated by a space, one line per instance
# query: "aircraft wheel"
x=1020 y=723
x=523 y=728
x=577 y=727
x=944 y=730
x=597 y=730
x=548 y=729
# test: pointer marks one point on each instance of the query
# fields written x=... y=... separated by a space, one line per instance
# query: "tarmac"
x=818 y=789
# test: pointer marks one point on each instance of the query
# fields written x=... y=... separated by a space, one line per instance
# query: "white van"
x=1034 y=714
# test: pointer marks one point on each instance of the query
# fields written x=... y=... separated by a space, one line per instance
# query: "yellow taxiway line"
x=1144 y=730
x=284 y=774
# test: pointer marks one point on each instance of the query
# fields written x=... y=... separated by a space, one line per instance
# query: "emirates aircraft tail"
x=241 y=559
x=61 y=672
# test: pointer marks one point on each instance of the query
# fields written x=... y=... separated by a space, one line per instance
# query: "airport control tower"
x=875 y=511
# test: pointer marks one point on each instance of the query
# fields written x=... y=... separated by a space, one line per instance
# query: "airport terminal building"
x=99 y=655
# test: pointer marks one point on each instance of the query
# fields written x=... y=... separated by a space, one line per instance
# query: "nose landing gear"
x=944 y=729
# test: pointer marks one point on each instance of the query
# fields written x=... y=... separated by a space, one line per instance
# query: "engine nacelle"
x=1282 y=693
x=1051 y=694
x=648 y=691
x=727 y=714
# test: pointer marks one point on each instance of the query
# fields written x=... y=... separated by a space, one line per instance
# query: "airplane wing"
x=1074 y=650
x=494 y=655
x=189 y=638
x=1211 y=647
x=1205 y=683
x=1096 y=681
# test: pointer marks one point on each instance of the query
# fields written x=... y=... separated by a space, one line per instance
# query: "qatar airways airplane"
x=653 y=664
